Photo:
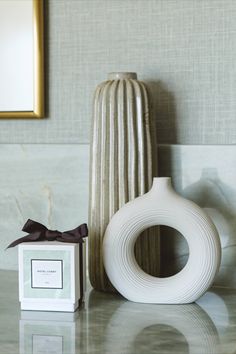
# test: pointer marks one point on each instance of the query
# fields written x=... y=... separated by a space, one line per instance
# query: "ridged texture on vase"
x=161 y=206
x=121 y=168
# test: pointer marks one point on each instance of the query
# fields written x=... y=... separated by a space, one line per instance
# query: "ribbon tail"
x=28 y=238
x=83 y=229
x=18 y=241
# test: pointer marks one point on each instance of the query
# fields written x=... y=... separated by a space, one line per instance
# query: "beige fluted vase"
x=121 y=167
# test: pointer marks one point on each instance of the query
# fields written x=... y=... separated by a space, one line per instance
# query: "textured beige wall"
x=185 y=49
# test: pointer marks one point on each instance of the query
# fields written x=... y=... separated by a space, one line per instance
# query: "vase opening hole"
x=174 y=251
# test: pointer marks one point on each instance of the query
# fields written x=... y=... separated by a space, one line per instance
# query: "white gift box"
x=51 y=275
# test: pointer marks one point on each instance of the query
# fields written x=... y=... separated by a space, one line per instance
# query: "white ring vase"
x=161 y=206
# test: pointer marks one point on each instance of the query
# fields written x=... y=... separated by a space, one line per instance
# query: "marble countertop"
x=109 y=324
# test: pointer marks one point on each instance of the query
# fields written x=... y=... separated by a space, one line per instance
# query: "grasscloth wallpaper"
x=184 y=49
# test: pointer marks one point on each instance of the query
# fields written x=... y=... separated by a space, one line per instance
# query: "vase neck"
x=122 y=76
x=161 y=184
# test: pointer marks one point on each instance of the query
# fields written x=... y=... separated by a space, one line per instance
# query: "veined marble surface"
x=46 y=183
x=207 y=176
x=109 y=324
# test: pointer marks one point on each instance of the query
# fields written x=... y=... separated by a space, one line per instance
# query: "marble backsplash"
x=49 y=183
x=46 y=183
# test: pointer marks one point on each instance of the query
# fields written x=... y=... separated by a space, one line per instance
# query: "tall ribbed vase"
x=121 y=167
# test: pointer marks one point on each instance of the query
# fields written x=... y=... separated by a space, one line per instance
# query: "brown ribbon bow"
x=39 y=232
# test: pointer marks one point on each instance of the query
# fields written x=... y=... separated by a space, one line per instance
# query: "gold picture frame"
x=38 y=68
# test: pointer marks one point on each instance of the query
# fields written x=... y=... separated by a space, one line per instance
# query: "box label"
x=46 y=274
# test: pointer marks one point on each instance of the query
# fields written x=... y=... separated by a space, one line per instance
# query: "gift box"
x=51 y=275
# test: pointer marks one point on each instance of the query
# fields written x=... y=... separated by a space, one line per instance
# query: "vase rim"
x=161 y=178
x=122 y=75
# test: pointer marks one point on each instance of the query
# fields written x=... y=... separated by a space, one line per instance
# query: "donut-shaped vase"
x=161 y=206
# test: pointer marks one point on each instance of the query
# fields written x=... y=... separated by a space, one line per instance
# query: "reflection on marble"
x=220 y=305
x=47 y=332
x=207 y=176
x=107 y=324
x=47 y=183
x=9 y=313
x=154 y=325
